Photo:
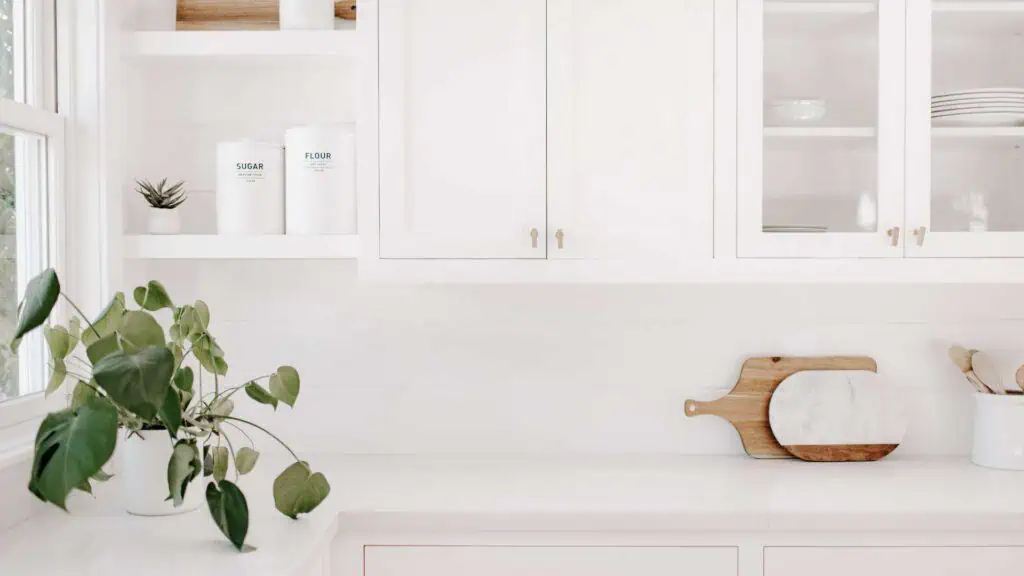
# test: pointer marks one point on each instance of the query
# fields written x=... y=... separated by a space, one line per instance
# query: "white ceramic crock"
x=999 y=431
x=143 y=474
x=307 y=14
x=164 y=221
x=320 y=180
x=250 y=188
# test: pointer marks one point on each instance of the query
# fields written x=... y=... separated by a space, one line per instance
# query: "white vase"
x=999 y=431
x=143 y=471
x=155 y=15
x=307 y=14
x=164 y=221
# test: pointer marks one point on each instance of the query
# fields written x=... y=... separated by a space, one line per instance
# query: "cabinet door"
x=630 y=129
x=965 y=166
x=462 y=87
x=892 y=561
x=821 y=128
x=547 y=561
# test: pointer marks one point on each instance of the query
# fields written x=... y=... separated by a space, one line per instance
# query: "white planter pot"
x=320 y=185
x=250 y=188
x=143 y=472
x=999 y=432
x=307 y=14
x=162 y=221
x=157 y=15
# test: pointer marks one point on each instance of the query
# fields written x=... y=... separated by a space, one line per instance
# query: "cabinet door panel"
x=892 y=561
x=547 y=561
x=462 y=128
x=631 y=128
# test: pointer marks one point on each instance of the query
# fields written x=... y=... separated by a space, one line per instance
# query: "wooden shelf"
x=818 y=132
x=213 y=247
x=234 y=43
x=812 y=7
x=978 y=132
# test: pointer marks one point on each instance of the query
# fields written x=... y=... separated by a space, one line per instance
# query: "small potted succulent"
x=163 y=203
x=167 y=394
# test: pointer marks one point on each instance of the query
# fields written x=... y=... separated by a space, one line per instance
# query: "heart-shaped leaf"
x=202 y=314
x=107 y=323
x=40 y=298
x=138 y=381
x=221 y=458
x=298 y=491
x=57 y=377
x=170 y=411
x=223 y=407
x=102 y=348
x=58 y=340
x=71 y=447
x=210 y=355
x=184 y=378
x=284 y=385
x=74 y=332
x=260 y=394
x=140 y=330
x=182 y=469
x=153 y=296
x=229 y=510
x=245 y=460
x=81 y=395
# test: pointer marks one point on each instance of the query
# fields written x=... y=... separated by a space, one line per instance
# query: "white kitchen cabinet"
x=933 y=561
x=462 y=90
x=547 y=561
x=963 y=183
x=630 y=129
x=820 y=115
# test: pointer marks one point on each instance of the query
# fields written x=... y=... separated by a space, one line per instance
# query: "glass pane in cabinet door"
x=821 y=94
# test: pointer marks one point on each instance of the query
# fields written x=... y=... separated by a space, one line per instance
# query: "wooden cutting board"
x=241 y=14
x=746 y=407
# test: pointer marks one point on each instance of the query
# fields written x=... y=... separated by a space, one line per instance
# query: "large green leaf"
x=57 y=377
x=284 y=385
x=202 y=314
x=140 y=330
x=40 y=298
x=71 y=447
x=184 y=378
x=58 y=340
x=221 y=459
x=210 y=355
x=245 y=460
x=298 y=491
x=170 y=411
x=153 y=296
x=107 y=323
x=81 y=395
x=260 y=394
x=138 y=381
x=184 y=467
x=102 y=348
x=229 y=510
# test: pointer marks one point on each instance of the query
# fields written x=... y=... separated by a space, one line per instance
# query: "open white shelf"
x=818 y=132
x=978 y=7
x=244 y=43
x=979 y=132
x=810 y=7
x=212 y=247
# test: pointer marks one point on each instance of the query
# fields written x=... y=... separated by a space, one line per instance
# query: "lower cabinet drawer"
x=940 y=561
x=547 y=561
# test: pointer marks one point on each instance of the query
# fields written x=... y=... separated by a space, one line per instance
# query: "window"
x=31 y=164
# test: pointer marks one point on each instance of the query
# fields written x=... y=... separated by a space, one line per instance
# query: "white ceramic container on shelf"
x=163 y=221
x=143 y=473
x=307 y=14
x=157 y=15
x=250 y=188
x=999 y=431
x=320 y=180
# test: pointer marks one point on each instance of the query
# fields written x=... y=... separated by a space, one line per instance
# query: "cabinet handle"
x=894 y=235
x=920 y=233
x=534 y=236
x=560 y=237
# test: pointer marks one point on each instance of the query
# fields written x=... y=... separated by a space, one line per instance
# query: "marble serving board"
x=845 y=416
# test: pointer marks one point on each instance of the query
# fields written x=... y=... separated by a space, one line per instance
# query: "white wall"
x=584 y=369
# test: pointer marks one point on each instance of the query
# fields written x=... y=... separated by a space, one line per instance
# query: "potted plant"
x=176 y=420
x=163 y=204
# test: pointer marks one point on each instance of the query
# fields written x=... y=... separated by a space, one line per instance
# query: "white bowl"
x=799 y=109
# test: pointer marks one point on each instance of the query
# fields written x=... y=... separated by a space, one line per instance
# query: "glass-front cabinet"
x=821 y=128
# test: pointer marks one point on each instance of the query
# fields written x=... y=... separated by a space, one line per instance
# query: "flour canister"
x=250 y=188
x=321 y=180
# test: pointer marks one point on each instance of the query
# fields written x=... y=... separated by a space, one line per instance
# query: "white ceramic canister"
x=321 y=180
x=307 y=14
x=142 y=469
x=999 y=431
x=250 y=188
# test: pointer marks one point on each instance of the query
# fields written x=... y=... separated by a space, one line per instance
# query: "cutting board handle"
x=694 y=408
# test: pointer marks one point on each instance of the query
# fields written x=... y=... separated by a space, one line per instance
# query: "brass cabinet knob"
x=894 y=235
x=560 y=237
x=534 y=236
x=920 y=233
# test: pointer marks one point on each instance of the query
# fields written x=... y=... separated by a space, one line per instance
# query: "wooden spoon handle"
x=978 y=384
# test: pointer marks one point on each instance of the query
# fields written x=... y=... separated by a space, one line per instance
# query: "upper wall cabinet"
x=462 y=89
x=964 y=162
x=821 y=129
x=631 y=129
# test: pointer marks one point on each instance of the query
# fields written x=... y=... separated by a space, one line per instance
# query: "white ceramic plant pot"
x=163 y=221
x=157 y=15
x=999 y=431
x=307 y=14
x=143 y=473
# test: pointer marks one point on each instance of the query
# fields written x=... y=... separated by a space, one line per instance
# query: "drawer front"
x=948 y=561
x=547 y=561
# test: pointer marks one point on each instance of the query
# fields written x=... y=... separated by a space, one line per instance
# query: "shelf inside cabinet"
x=818 y=132
x=815 y=7
x=213 y=247
x=235 y=43
x=978 y=132
x=978 y=7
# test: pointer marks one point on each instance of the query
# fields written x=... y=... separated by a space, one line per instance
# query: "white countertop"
x=371 y=493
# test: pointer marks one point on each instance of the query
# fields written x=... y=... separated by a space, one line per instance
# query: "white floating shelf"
x=818 y=132
x=812 y=7
x=978 y=7
x=978 y=132
x=213 y=247
x=244 y=43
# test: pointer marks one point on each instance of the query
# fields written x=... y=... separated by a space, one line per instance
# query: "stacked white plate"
x=981 y=107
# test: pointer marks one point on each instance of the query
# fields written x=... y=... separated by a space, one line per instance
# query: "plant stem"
x=82 y=314
x=243 y=433
x=231 y=448
x=264 y=430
